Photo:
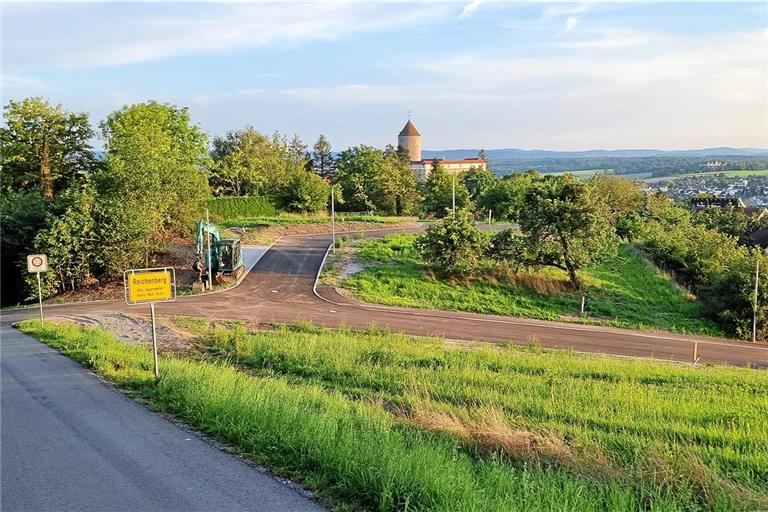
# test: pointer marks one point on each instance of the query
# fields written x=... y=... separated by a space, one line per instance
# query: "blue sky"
x=534 y=75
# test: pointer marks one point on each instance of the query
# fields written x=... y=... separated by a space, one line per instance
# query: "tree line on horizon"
x=96 y=217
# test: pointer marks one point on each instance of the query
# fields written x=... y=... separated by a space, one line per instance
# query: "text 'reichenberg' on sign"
x=150 y=285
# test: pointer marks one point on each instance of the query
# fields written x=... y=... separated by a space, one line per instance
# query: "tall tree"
x=247 y=162
x=357 y=172
x=438 y=192
x=322 y=161
x=43 y=146
x=156 y=170
x=396 y=189
x=478 y=181
x=565 y=226
x=482 y=155
x=297 y=151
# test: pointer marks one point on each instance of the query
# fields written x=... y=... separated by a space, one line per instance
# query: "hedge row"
x=225 y=208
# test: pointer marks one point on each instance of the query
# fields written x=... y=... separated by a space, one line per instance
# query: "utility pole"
x=208 y=232
x=453 y=195
x=754 y=306
x=333 y=222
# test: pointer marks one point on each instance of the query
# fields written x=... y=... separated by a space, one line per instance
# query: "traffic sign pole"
x=154 y=339
x=40 y=297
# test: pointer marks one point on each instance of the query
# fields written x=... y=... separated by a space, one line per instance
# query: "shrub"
x=305 y=192
x=222 y=208
x=453 y=245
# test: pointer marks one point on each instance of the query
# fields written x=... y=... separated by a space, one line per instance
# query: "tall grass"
x=227 y=208
x=351 y=450
x=700 y=431
x=626 y=291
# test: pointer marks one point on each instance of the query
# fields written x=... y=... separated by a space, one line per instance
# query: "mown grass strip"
x=353 y=452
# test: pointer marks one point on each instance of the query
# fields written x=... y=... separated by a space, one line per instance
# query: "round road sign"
x=37 y=263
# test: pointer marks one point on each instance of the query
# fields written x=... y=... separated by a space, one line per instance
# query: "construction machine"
x=226 y=258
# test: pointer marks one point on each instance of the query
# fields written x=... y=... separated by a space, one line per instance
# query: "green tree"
x=453 y=245
x=156 y=171
x=506 y=197
x=297 y=151
x=396 y=190
x=565 y=226
x=322 y=161
x=43 y=146
x=248 y=163
x=22 y=214
x=358 y=170
x=478 y=181
x=70 y=242
x=305 y=192
x=438 y=192
x=729 y=297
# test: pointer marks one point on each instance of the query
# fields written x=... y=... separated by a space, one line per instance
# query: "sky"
x=472 y=74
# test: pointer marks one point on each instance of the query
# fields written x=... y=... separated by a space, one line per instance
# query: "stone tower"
x=410 y=139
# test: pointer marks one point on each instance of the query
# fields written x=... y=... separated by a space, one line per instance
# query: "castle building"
x=410 y=139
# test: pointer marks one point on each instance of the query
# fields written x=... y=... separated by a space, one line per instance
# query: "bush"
x=305 y=192
x=506 y=248
x=222 y=208
x=453 y=245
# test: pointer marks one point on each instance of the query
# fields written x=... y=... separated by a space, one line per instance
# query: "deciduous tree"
x=43 y=146
x=565 y=226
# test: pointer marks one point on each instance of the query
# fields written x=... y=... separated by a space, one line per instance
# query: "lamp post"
x=754 y=305
x=333 y=222
x=453 y=195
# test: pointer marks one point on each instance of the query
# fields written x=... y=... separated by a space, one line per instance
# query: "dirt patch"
x=269 y=234
x=134 y=329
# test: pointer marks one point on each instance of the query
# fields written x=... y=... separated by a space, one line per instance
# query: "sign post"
x=150 y=285
x=333 y=223
x=38 y=263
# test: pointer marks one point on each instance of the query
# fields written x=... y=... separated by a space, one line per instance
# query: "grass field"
x=624 y=292
x=731 y=174
x=286 y=219
x=385 y=422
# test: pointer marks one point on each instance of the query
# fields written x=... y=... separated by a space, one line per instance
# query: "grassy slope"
x=624 y=292
x=388 y=422
x=289 y=219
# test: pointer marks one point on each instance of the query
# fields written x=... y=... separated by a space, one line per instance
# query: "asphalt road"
x=280 y=288
x=70 y=442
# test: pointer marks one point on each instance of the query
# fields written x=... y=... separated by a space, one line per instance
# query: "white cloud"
x=564 y=9
x=571 y=22
x=168 y=30
x=608 y=39
x=18 y=81
x=471 y=7
x=668 y=92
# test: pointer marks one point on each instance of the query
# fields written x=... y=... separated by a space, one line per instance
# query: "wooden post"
x=695 y=352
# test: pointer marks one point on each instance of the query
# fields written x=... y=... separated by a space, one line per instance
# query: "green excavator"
x=226 y=256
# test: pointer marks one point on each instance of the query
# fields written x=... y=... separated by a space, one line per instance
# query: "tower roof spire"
x=409 y=130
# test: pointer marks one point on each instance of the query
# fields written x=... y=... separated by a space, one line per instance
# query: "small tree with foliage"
x=322 y=161
x=506 y=196
x=478 y=181
x=565 y=226
x=358 y=171
x=453 y=245
x=305 y=192
x=438 y=192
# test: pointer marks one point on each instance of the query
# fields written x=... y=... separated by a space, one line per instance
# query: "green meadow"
x=626 y=291
x=375 y=421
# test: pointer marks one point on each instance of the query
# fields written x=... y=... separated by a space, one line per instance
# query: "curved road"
x=280 y=288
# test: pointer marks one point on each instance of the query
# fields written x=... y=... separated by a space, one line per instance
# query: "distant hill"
x=527 y=154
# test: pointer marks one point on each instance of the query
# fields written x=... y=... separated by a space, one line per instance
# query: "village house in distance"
x=410 y=139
